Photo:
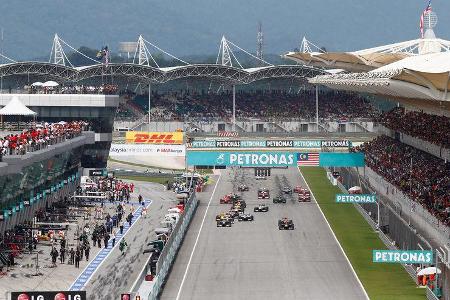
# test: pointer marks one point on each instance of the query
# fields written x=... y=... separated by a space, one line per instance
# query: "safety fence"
x=394 y=230
x=170 y=250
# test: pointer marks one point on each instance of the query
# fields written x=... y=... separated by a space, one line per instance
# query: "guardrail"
x=431 y=295
x=169 y=251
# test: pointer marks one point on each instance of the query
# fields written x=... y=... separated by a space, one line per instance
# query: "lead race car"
x=285 y=224
x=245 y=217
x=229 y=198
x=304 y=195
x=261 y=208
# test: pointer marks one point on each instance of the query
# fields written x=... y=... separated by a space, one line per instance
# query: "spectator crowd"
x=106 y=89
x=422 y=176
x=40 y=136
x=431 y=128
x=265 y=105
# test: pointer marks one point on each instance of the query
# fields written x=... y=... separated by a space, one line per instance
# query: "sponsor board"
x=118 y=150
x=97 y=172
x=356 y=198
x=66 y=295
x=245 y=159
x=274 y=159
x=402 y=257
x=303 y=144
x=167 y=138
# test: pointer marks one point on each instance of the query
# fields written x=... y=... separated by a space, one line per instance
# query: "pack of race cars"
x=238 y=205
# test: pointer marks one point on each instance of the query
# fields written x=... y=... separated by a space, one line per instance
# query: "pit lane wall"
x=169 y=252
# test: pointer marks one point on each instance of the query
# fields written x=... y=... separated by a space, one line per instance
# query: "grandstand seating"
x=423 y=177
x=263 y=105
x=430 y=128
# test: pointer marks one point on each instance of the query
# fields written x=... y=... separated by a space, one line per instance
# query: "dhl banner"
x=165 y=138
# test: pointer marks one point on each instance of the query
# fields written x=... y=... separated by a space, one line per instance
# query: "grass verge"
x=357 y=238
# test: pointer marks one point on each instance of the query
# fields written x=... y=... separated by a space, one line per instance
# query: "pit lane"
x=255 y=260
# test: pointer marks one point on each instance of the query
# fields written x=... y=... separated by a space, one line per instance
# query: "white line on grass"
x=196 y=240
x=332 y=232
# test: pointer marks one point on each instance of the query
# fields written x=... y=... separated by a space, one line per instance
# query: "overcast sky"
x=185 y=27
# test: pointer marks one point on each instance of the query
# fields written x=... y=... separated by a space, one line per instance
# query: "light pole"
x=317 y=107
x=234 y=108
x=149 y=103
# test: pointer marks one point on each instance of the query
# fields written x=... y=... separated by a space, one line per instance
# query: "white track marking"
x=196 y=240
x=332 y=232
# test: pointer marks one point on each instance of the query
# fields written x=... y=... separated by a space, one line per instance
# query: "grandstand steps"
x=279 y=126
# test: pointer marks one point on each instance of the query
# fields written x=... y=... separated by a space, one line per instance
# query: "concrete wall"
x=248 y=126
x=425 y=146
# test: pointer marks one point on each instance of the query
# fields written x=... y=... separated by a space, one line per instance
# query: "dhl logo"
x=154 y=137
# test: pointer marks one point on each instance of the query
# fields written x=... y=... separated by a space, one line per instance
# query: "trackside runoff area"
x=381 y=281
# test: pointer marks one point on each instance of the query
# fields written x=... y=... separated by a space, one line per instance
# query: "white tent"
x=50 y=84
x=16 y=108
x=429 y=271
x=37 y=83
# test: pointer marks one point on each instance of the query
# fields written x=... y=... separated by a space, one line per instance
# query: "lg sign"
x=80 y=295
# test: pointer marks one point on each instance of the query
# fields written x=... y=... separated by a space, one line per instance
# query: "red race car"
x=297 y=189
x=304 y=195
x=229 y=199
x=263 y=193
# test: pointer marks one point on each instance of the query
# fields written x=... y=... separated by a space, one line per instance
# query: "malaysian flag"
x=426 y=11
x=308 y=159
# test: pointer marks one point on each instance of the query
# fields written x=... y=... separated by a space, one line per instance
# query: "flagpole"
x=1 y=77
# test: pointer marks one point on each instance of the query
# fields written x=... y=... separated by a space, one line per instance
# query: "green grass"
x=381 y=281
x=155 y=179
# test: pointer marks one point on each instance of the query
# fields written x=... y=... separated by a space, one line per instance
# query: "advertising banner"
x=274 y=159
x=78 y=295
x=303 y=144
x=332 y=159
x=403 y=257
x=119 y=150
x=97 y=172
x=164 y=138
x=244 y=159
x=356 y=198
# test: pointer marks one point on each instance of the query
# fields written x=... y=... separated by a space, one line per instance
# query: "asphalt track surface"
x=255 y=260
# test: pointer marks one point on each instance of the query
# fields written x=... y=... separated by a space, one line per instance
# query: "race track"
x=255 y=260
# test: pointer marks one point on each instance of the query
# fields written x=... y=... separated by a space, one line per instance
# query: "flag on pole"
x=308 y=159
x=422 y=17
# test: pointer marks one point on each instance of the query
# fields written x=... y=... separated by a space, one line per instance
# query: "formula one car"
x=234 y=213
x=224 y=223
x=230 y=198
x=223 y=216
x=286 y=190
x=297 y=189
x=245 y=217
x=285 y=224
x=240 y=203
x=263 y=193
x=304 y=196
x=243 y=188
x=279 y=199
x=261 y=208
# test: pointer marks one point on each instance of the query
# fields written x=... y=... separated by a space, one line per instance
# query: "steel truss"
x=149 y=74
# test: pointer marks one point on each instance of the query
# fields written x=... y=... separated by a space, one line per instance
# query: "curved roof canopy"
x=417 y=77
x=368 y=59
